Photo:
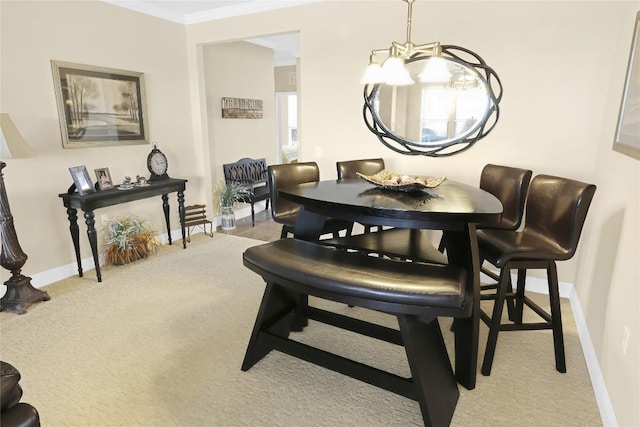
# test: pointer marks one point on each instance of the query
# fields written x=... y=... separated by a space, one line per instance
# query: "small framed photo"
x=82 y=180
x=103 y=178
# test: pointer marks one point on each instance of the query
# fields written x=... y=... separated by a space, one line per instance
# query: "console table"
x=100 y=199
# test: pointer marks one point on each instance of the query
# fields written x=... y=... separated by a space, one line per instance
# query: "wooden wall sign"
x=241 y=108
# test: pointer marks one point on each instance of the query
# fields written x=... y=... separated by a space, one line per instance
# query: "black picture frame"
x=99 y=106
x=82 y=180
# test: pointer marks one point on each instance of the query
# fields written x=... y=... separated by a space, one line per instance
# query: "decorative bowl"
x=389 y=180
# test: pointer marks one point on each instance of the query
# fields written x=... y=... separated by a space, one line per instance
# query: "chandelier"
x=405 y=82
x=392 y=70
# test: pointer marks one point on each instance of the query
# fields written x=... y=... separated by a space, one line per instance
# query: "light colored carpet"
x=160 y=343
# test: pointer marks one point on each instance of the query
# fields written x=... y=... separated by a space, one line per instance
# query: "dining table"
x=452 y=207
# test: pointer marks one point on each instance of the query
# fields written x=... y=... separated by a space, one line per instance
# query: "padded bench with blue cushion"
x=417 y=293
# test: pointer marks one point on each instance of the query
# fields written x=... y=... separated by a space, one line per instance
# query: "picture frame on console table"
x=627 y=139
x=82 y=180
x=103 y=179
x=99 y=106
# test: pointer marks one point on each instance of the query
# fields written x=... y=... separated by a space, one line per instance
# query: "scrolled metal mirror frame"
x=451 y=146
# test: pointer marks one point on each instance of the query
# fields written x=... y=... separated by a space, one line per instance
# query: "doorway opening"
x=287 y=126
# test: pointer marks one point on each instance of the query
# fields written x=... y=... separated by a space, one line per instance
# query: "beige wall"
x=285 y=78
x=562 y=65
x=239 y=70
x=552 y=121
x=95 y=33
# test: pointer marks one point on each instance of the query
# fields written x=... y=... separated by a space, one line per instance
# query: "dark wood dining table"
x=452 y=207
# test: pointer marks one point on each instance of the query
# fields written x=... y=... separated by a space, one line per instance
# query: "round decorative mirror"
x=443 y=112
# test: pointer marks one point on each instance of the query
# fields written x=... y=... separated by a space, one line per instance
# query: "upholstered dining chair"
x=510 y=186
x=350 y=168
x=284 y=211
x=556 y=209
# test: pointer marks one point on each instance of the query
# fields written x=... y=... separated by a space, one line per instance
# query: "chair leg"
x=253 y=216
x=556 y=318
x=511 y=305
x=494 y=327
x=522 y=277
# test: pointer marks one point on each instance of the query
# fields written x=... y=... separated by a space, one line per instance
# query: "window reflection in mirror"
x=426 y=114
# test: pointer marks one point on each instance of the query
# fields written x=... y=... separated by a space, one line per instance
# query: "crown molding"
x=208 y=15
x=242 y=9
x=149 y=9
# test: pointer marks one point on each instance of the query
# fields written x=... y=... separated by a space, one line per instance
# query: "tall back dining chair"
x=349 y=168
x=510 y=186
x=286 y=212
x=556 y=209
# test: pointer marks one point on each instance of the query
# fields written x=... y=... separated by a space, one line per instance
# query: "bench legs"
x=432 y=383
x=432 y=376
x=276 y=313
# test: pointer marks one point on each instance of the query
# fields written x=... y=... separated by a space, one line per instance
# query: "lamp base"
x=21 y=294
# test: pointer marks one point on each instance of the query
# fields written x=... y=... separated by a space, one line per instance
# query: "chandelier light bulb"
x=435 y=71
x=395 y=72
x=373 y=74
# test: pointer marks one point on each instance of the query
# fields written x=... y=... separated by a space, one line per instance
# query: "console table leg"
x=181 y=214
x=72 y=214
x=93 y=240
x=165 y=208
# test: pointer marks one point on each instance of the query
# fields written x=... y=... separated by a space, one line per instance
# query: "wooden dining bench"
x=416 y=293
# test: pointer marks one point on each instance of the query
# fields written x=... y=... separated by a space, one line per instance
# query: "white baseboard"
x=607 y=414
x=567 y=290
x=44 y=278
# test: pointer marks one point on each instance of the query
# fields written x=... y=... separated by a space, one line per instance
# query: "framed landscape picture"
x=99 y=106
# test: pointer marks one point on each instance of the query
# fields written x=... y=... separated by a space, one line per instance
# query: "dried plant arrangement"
x=128 y=239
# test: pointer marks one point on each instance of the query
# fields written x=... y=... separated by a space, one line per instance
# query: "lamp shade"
x=395 y=72
x=373 y=74
x=435 y=71
x=13 y=144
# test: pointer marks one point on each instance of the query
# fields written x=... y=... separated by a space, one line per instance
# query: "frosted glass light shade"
x=373 y=74
x=396 y=73
x=435 y=71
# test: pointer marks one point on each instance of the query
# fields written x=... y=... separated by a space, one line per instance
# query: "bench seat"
x=340 y=276
x=416 y=293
